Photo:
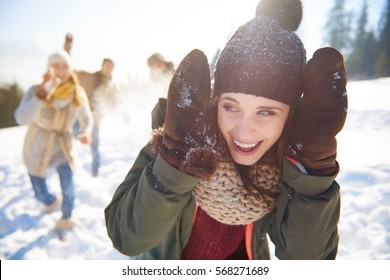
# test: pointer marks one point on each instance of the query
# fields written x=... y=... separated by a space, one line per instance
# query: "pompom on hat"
x=265 y=57
x=60 y=56
x=287 y=13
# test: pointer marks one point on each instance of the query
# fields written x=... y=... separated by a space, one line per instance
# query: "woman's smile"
x=246 y=148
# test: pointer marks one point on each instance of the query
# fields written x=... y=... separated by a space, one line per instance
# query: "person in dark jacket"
x=102 y=95
x=256 y=157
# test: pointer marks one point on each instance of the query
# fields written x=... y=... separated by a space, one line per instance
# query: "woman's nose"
x=245 y=128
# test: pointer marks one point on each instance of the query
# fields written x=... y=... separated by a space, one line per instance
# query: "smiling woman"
x=225 y=169
x=250 y=125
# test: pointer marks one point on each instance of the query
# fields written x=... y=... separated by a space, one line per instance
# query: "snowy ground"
x=365 y=182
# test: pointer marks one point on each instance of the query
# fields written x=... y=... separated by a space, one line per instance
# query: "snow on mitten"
x=321 y=113
x=188 y=136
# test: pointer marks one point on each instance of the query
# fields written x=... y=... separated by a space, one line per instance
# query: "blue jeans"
x=95 y=151
x=94 y=146
x=67 y=187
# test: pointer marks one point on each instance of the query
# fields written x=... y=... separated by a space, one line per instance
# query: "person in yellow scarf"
x=50 y=110
x=59 y=83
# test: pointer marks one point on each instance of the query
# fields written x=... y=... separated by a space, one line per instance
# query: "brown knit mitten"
x=321 y=113
x=189 y=135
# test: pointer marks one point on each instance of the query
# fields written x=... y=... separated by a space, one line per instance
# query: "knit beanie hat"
x=60 y=56
x=265 y=57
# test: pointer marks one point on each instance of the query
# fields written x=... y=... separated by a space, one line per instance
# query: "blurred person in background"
x=161 y=72
x=102 y=95
x=50 y=110
x=160 y=69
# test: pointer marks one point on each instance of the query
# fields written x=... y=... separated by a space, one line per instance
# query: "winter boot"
x=55 y=205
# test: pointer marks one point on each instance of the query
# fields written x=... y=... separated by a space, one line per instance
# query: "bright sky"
x=128 y=31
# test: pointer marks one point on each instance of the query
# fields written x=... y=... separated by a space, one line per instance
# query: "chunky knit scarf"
x=226 y=199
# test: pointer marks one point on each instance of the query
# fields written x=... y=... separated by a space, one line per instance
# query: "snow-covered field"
x=363 y=154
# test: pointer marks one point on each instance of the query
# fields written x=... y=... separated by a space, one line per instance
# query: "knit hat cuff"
x=60 y=56
x=277 y=84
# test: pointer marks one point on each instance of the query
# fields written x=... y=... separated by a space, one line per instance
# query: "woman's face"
x=61 y=70
x=250 y=125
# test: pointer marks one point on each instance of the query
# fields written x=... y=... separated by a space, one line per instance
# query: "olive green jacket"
x=151 y=214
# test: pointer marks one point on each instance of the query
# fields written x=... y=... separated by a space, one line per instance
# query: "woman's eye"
x=266 y=113
x=230 y=108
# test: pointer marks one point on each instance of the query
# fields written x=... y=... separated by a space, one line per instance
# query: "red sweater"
x=212 y=240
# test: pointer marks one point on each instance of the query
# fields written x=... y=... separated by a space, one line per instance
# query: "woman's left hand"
x=85 y=138
x=321 y=113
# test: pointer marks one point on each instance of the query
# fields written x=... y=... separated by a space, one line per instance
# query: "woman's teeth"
x=245 y=146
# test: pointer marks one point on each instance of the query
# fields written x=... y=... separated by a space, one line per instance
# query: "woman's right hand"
x=48 y=84
x=188 y=138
